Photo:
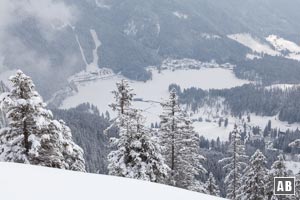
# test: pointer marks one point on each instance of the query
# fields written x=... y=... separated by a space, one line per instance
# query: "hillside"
x=53 y=40
x=49 y=184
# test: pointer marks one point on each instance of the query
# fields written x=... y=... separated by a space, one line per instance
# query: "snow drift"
x=26 y=182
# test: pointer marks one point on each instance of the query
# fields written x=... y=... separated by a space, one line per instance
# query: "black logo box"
x=284 y=183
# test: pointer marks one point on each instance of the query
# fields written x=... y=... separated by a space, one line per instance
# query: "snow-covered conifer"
x=234 y=165
x=296 y=144
x=72 y=153
x=32 y=136
x=211 y=187
x=123 y=97
x=254 y=180
x=181 y=146
x=25 y=111
x=137 y=153
x=278 y=169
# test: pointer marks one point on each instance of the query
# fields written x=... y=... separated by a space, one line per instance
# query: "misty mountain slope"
x=44 y=38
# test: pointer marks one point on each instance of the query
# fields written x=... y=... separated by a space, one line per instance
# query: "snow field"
x=36 y=183
x=273 y=45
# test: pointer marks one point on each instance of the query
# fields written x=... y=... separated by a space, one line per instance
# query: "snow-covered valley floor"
x=153 y=91
x=150 y=93
x=26 y=182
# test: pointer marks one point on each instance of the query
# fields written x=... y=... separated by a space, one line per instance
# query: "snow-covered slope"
x=291 y=49
x=19 y=181
x=282 y=44
x=272 y=45
x=254 y=44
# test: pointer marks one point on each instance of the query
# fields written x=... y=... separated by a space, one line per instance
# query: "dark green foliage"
x=269 y=70
x=248 y=98
x=87 y=129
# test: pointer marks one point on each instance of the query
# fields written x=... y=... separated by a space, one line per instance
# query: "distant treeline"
x=247 y=98
x=269 y=70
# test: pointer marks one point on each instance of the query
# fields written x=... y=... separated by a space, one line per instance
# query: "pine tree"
x=123 y=97
x=72 y=153
x=211 y=187
x=137 y=153
x=32 y=136
x=25 y=110
x=296 y=144
x=181 y=146
x=234 y=165
x=255 y=178
x=278 y=169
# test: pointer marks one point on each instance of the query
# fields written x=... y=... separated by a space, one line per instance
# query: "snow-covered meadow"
x=60 y=184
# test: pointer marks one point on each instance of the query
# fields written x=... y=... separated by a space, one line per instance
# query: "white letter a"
x=280 y=187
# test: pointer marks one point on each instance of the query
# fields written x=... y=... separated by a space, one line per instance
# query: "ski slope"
x=282 y=44
x=254 y=44
x=272 y=45
x=26 y=182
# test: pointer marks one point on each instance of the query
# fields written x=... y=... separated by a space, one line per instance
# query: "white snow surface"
x=211 y=130
x=152 y=92
x=93 y=66
x=254 y=44
x=58 y=184
x=208 y=36
x=293 y=166
x=288 y=47
x=282 y=44
x=180 y=15
x=272 y=45
x=250 y=56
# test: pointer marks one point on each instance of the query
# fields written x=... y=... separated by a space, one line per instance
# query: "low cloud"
x=50 y=17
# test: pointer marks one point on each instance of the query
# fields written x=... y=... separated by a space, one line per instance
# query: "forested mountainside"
x=201 y=95
x=249 y=98
x=88 y=127
x=172 y=152
x=130 y=35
